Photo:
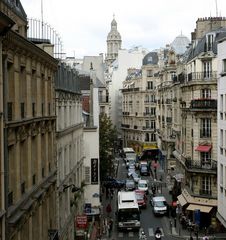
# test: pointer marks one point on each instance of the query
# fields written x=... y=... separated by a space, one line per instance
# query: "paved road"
x=148 y=221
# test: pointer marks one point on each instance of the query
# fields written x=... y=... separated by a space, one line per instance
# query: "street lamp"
x=73 y=189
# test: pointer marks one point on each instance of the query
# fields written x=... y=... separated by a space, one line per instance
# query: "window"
x=149 y=73
x=33 y=109
x=207 y=69
x=153 y=137
x=206 y=185
x=173 y=76
x=206 y=93
x=152 y=124
x=153 y=111
x=224 y=66
x=22 y=111
x=205 y=129
x=206 y=159
x=23 y=188
x=10 y=111
x=209 y=42
x=150 y=85
x=147 y=123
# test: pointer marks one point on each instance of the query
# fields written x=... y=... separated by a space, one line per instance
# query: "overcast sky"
x=84 y=24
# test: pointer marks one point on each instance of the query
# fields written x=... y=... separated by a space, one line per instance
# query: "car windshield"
x=139 y=196
x=159 y=204
x=143 y=185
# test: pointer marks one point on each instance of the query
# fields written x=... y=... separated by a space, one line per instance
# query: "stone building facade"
x=28 y=76
x=139 y=105
x=192 y=93
x=70 y=150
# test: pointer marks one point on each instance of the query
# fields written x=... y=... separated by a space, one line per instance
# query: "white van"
x=159 y=205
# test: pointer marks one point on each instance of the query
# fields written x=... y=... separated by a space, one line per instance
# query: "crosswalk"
x=150 y=233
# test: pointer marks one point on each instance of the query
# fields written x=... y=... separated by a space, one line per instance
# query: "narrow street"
x=149 y=222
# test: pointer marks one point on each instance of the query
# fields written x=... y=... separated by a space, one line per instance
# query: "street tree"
x=107 y=140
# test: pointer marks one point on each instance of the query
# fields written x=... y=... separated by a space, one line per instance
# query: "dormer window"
x=209 y=41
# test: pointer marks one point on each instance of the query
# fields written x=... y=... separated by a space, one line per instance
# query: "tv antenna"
x=216 y=8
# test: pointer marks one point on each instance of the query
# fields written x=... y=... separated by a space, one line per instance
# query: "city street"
x=149 y=222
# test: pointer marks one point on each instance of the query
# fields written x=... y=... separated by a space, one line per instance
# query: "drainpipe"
x=5 y=118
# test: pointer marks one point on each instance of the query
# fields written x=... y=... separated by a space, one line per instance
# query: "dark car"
x=144 y=170
x=111 y=182
x=130 y=184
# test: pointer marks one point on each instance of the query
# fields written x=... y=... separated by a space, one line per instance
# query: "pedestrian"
x=191 y=238
x=108 y=209
x=111 y=193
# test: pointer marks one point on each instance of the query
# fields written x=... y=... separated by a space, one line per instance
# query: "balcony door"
x=207 y=69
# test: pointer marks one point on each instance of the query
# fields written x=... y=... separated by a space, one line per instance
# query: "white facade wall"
x=221 y=146
x=91 y=144
x=126 y=59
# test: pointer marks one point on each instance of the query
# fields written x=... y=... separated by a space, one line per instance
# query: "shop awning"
x=193 y=207
x=181 y=200
x=203 y=148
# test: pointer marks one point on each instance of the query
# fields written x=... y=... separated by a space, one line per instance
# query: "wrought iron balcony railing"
x=204 y=104
x=210 y=165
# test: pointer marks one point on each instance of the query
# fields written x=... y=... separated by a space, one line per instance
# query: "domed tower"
x=113 y=43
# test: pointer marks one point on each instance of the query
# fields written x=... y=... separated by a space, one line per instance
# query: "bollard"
x=175 y=222
x=171 y=226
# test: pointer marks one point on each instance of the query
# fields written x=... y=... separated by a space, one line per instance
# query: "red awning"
x=203 y=148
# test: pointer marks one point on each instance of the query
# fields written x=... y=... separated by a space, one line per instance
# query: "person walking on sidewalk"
x=108 y=209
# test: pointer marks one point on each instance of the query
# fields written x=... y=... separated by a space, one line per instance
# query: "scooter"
x=158 y=236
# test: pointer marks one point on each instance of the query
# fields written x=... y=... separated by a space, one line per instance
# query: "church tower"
x=113 y=43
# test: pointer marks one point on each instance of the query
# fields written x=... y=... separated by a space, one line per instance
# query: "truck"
x=128 y=212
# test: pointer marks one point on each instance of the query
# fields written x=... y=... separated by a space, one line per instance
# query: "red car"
x=141 y=198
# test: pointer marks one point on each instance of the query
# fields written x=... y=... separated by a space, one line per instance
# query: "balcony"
x=202 y=76
x=200 y=167
x=203 y=104
x=125 y=125
x=130 y=90
x=205 y=192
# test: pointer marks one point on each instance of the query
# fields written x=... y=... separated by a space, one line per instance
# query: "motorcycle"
x=142 y=235
x=158 y=236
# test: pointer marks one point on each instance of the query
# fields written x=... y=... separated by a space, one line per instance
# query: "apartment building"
x=70 y=150
x=139 y=104
x=196 y=132
x=221 y=131
x=6 y=24
x=28 y=76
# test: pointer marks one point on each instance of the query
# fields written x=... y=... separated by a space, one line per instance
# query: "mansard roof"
x=17 y=7
x=151 y=58
x=201 y=46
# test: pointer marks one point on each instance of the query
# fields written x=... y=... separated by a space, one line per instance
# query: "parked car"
x=136 y=177
x=160 y=206
x=144 y=170
x=131 y=170
x=130 y=184
x=141 y=198
x=111 y=182
x=143 y=185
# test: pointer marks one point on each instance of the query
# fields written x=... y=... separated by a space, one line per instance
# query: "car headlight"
x=120 y=224
x=137 y=224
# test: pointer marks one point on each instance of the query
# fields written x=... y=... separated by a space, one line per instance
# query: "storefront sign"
x=81 y=221
x=94 y=171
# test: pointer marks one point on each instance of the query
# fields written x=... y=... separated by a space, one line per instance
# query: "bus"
x=128 y=212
